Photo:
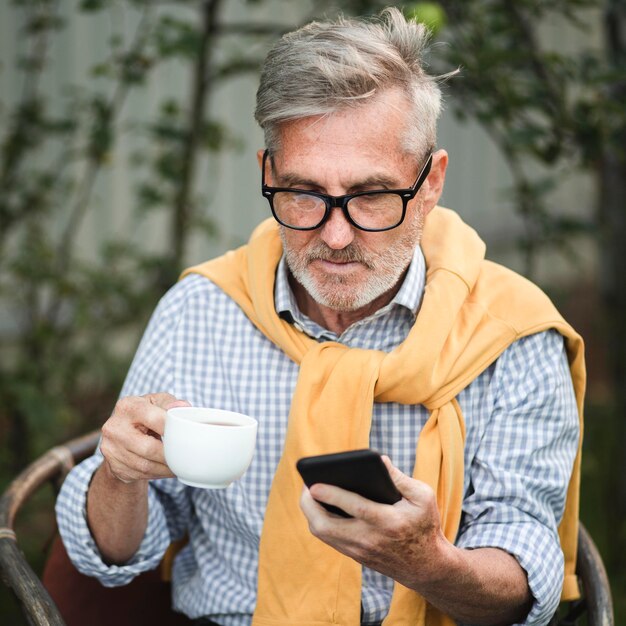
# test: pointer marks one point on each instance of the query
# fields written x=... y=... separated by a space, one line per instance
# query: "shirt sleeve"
x=168 y=500
x=81 y=548
x=521 y=470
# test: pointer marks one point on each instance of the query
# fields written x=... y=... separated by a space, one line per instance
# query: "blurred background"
x=127 y=152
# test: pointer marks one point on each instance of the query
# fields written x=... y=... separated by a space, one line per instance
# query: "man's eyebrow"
x=381 y=181
x=291 y=179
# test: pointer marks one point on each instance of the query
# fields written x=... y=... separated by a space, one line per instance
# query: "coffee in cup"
x=208 y=448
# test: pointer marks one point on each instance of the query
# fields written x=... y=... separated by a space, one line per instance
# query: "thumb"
x=410 y=488
x=165 y=400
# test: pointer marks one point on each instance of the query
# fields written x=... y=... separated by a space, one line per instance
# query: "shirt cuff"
x=537 y=550
x=71 y=512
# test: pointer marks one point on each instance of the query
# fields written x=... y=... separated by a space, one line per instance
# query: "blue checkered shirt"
x=522 y=436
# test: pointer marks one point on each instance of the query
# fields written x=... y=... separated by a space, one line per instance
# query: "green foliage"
x=430 y=13
x=176 y=38
x=74 y=319
x=546 y=109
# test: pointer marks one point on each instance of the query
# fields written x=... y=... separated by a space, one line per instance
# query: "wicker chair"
x=595 y=608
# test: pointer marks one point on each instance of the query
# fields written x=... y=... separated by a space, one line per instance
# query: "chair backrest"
x=15 y=571
x=595 y=605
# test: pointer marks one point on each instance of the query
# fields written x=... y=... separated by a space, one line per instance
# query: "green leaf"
x=150 y=196
x=90 y=6
x=174 y=37
x=42 y=22
x=102 y=70
x=134 y=66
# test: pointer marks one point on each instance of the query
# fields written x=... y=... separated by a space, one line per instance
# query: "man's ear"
x=268 y=171
x=259 y=157
x=433 y=187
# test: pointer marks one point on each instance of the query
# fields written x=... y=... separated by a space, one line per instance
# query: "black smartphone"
x=360 y=471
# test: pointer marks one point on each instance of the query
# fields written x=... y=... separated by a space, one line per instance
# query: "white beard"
x=342 y=292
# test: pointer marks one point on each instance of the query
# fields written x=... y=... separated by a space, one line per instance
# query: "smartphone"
x=360 y=471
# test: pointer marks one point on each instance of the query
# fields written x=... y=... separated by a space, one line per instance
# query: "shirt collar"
x=409 y=295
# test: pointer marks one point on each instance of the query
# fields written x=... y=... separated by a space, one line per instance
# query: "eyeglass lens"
x=372 y=211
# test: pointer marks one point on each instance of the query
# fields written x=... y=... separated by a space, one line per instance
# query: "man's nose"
x=337 y=232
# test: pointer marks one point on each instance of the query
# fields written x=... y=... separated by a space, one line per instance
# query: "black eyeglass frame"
x=342 y=201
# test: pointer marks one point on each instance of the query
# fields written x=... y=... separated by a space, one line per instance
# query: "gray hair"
x=325 y=67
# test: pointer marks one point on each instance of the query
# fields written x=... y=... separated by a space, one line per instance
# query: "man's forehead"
x=347 y=167
x=347 y=177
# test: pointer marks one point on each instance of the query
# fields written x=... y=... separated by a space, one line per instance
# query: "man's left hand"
x=403 y=541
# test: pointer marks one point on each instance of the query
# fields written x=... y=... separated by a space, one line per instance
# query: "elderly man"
x=363 y=315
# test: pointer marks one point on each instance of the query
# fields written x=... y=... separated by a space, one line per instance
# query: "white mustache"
x=350 y=254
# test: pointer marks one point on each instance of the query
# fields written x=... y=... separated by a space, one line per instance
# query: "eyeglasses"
x=373 y=211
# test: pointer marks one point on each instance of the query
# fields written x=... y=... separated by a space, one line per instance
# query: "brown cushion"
x=82 y=600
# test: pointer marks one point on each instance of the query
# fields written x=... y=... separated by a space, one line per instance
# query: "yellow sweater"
x=471 y=312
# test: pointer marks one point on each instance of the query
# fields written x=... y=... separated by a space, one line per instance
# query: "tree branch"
x=83 y=194
x=14 y=148
x=246 y=28
x=181 y=217
x=555 y=101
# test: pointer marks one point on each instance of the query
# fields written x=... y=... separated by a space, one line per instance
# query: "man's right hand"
x=131 y=438
x=117 y=501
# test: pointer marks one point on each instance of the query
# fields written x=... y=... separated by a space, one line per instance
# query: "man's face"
x=350 y=278
x=341 y=267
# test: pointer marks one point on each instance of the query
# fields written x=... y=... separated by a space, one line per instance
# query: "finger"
x=165 y=400
x=312 y=507
x=140 y=413
x=335 y=530
x=343 y=534
x=352 y=503
x=129 y=433
x=410 y=488
x=309 y=506
x=131 y=466
x=146 y=446
x=128 y=466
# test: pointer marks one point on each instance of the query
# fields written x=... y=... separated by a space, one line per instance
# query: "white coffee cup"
x=208 y=448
